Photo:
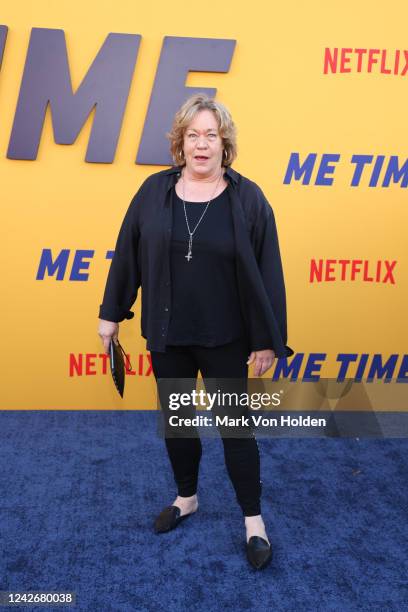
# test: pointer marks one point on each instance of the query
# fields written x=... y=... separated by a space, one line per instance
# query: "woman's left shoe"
x=259 y=552
x=169 y=518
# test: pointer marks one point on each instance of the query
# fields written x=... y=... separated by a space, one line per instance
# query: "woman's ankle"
x=186 y=504
x=255 y=526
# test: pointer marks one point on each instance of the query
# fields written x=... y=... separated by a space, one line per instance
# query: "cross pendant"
x=188 y=256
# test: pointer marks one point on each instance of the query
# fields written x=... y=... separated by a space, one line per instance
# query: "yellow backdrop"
x=282 y=103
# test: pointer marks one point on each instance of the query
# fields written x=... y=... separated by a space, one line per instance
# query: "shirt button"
x=166 y=309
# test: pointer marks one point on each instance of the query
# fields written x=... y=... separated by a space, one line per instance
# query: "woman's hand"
x=106 y=331
x=263 y=361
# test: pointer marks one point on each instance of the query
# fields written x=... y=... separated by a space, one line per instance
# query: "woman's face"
x=202 y=145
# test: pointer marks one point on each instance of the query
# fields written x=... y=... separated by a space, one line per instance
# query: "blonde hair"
x=186 y=114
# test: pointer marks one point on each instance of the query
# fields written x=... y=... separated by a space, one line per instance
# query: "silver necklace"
x=190 y=233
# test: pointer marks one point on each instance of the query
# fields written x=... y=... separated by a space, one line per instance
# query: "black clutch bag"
x=117 y=365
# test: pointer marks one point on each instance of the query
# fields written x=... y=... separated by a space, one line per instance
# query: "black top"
x=205 y=305
x=142 y=260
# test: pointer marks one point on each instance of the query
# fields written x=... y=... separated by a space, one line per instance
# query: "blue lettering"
x=325 y=169
x=48 y=265
x=282 y=367
x=79 y=264
x=345 y=359
x=298 y=171
x=360 y=161
x=312 y=366
x=378 y=369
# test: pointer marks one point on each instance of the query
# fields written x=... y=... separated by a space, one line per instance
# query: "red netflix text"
x=383 y=61
x=90 y=364
x=329 y=270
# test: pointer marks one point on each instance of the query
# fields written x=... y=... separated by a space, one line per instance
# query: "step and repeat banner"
x=87 y=91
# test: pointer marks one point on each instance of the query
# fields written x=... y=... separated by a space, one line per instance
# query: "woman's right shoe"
x=259 y=552
x=168 y=519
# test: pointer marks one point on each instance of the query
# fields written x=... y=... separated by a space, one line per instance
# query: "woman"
x=200 y=239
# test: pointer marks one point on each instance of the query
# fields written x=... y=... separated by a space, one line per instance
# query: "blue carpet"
x=79 y=491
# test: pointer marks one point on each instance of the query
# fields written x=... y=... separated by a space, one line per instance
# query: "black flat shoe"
x=259 y=552
x=168 y=519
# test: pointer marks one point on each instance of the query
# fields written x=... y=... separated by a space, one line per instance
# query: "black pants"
x=241 y=453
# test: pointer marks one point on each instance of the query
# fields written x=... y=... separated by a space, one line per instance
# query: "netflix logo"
x=91 y=364
x=382 y=61
x=330 y=270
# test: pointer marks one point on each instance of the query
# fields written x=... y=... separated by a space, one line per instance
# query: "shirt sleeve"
x=123 y=279
x=267 y=252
